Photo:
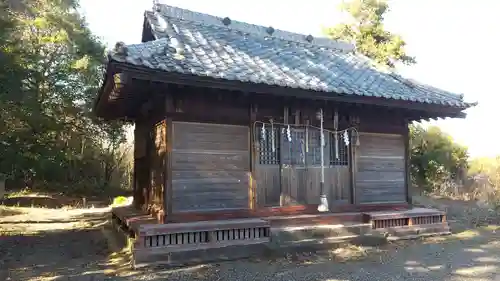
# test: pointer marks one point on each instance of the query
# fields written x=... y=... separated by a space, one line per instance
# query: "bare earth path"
x=52 y=244
x=72 y=247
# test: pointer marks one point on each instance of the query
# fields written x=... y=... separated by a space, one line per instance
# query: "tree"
x=435 y=157
x=51 y=71
x=368 y=33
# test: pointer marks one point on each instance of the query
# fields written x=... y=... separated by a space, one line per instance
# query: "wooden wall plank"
x=380 y=176
x=191 y=159
x=200 y=137
x=381 y=164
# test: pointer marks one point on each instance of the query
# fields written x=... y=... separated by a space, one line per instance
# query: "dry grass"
x=467 y=234
x=119 y=260
x=351 y=253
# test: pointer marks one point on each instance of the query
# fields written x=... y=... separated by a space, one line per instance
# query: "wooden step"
x=198 y=256
x=178 y=243
x=413 y=231
x=410 y=213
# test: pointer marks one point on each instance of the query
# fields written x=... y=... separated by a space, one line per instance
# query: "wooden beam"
x=137 y=90
x=207 y=82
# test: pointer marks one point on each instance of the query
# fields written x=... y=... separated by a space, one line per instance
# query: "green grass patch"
x=119 y=201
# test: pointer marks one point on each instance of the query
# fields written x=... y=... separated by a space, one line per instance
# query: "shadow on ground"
x=32 y=201
x=470 y=256
x=23 y=198
x=56 y=254
x=83 y=253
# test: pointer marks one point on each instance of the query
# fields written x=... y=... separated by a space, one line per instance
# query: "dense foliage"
x=486 y=166
x=368 y=33
x=51 y=70
x=436 y=159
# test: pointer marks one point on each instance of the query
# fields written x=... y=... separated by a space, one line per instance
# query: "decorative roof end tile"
x=120 y=49
x=226 y=21
x=270 y=30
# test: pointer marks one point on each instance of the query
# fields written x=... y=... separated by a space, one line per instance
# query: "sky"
x=455 y=43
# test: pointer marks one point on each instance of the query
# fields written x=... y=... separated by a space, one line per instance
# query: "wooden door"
x=293 y=168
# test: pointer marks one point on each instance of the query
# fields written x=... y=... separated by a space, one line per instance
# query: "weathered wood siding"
x=268 y=185
x=380 y=162
x=210 y=166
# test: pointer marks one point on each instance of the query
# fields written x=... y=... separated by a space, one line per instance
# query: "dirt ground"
x=72 y=244
x=52 y=244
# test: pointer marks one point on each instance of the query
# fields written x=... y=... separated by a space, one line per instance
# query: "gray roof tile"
x=194 y=43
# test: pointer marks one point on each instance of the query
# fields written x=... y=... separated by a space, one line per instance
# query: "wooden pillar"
x=407 y=164
x=141 y=166
x=252 y=188
x=135 y=185
x=283 y=196
x=351 y=156
x=169 y=137
x=148 y=159
x=353 y=167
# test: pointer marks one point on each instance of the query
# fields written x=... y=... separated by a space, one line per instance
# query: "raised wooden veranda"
x=196 y=241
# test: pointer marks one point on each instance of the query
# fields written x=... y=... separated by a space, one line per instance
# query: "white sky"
x=455 y=42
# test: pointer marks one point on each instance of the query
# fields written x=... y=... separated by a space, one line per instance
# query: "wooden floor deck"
x=154 y=241
x=132 y=218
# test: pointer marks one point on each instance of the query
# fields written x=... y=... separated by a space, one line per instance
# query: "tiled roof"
x=204 y=45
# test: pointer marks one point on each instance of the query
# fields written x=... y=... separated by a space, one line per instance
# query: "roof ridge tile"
x=185 y=14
